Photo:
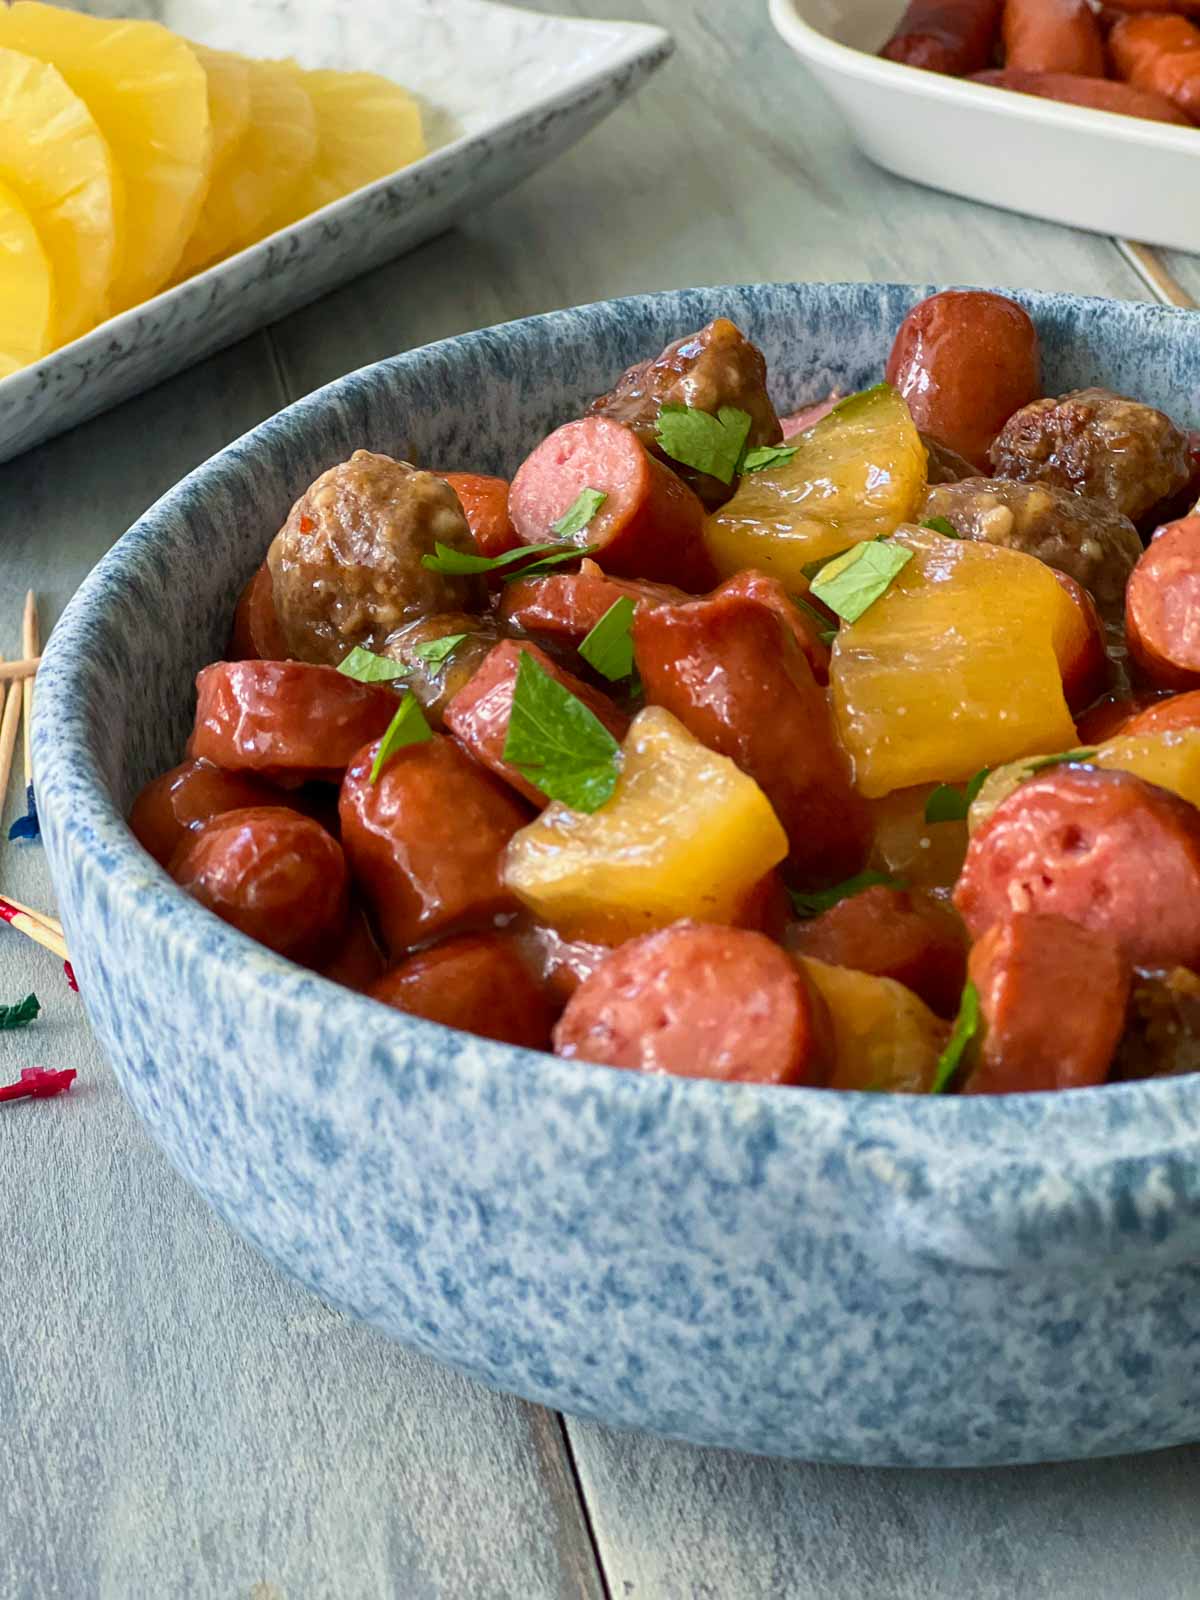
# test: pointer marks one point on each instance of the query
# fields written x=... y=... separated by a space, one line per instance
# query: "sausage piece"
x=965 y=360
x=1178 y=713
x=1083 y=662
x=1088 y=540
x=707 y=370
x=731 y=672
x=1160 y=55
x=285 y=720
x=1102 y=848
x=566 y=606
x=272 y=874
x=1095 y=94
x=477 y=982
x=1162 y=607
x=1052 y=999
x=1053 y=36
x=769 y=592
x=480 y=712
x=347 y=564
x=256 y=634
x=436 y=681
x=559 y=964
x=1114 y=714
x=1098 y=444
x=425 y=841
x=953 y=36
x=650 y=524
x=356 y=960
x=484 y=502
x=701 y=1002
x=184 y=799
x=892 y=933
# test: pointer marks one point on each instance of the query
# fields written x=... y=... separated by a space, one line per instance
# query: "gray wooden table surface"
x=177 y=1419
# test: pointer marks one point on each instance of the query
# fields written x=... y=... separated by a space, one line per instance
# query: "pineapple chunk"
x=367 y=128
x=149 y=96
x=857 y=473
x=685 y=834
x=54 y=158
x=885 y=1038
x=264 y=169
x=954 y=668
x=26 y=288
x=228 y=98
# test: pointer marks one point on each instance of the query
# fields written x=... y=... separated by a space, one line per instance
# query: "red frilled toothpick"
x=35 y=1083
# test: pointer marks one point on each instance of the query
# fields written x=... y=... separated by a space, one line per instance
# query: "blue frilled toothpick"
x=28 y=828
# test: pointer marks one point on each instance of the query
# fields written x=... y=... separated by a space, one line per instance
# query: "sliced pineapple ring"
x=262 y=171
x=56 y=161
x=228 y=98
x=149 y=96
x=26 y=288
x=367 y=127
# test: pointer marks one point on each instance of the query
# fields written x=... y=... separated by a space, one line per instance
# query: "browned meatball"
x=707 y=370
x=945 y=465
x=1095 y=443
x=1086 y=539
x=346 y=565
x=434 y=682
x=1162 y=1026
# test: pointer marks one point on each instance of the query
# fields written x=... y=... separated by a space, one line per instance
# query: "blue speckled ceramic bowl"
x=842 y=1277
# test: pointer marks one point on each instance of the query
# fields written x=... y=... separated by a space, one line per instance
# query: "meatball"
x=945 y=465
x=346 y=565
x=1098 y=444
x=1087 y=539
x=435 y=679
x=707 y=370
x=1162 y=1026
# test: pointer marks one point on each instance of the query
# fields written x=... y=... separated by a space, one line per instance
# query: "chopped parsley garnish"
x=559 y=558
x=407 y=727
x=825 y=633
x=1043 y=762
x=557 y=743
x=437 y=651
x=854 y=581
x=948 y=803
x=966 y=1026
x=813 y=904
x=698 y=439
x=464 y=563
x=580 y=512
x=812 y=569
x=767 y=455
x=366 y=667
x=21 y=1014
x=608 y=648
x=942 y=525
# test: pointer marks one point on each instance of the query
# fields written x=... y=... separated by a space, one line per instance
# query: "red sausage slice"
x=1103 y=849
x=701 y=1002
x=476 y=982
x=285 y=719
x=952 y=36
x=485 y=505
x=1116 y=713
x=1096 y=94
x=272 y=874
x=425 y=842
x=566 y=606
x=1179 y=713
x=1053 y=36
x=479 y=714
x=257 y=635
x=187 y=797
x=892 y=933
x=733 y=675
x=650 y=524
x=1162 y=607
x=769 y=592
x=1052 y=996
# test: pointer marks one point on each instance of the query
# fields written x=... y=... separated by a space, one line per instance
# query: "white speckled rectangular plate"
x=502 y=92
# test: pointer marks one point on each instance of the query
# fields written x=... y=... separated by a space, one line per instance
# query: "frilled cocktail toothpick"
x=28 y=828
x=29 y=925
x=36 y=1083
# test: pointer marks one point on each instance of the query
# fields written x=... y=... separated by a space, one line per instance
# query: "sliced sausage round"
x=184 y=799
x=566 y=606
x=272 y=874
x=484 y=502
x=1178 y=713
x=256 y=634
x=701 y=1002
x=1052 y=999
x=285 y=720
x=1102 y=848
x=1162 y=607
x=477 y=982
x=649 y=525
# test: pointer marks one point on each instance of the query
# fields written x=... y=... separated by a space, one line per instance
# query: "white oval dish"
x=1090 y=169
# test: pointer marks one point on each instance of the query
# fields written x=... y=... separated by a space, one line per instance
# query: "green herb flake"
x=550 y=563
x=853 y=583
x=608 y=648
x=19 y=1015
x=580 y=512
x=557 y=743
x=812 y=905
x=948 y=803
x=436 y=652
x=812 y=569
x=700 y=440
x=768 y=455
x=407 y=727
x=942 y=525
x=463 y=563
x=364 y=666
x=966 y=1026
x=1062 y=759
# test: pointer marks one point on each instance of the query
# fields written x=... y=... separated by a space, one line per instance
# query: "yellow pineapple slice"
x=54 y=158
x=262 y=171
x=149 y=96
x=228 y=98
x=26 y=288
x=367 y=127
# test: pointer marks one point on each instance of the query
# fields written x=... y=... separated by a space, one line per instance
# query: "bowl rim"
x=1140 y=1121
